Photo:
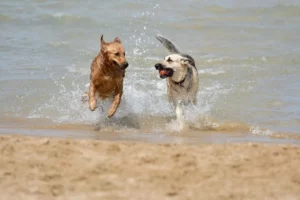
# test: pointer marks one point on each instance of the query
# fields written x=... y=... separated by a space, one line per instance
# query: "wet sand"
x=57 y=168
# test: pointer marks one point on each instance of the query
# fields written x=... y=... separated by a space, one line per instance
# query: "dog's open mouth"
x=117 y=64
x=121 y=67
x=165 y=72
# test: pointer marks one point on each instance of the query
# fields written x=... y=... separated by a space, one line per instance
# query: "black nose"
x=158 y=66
x=126 y=64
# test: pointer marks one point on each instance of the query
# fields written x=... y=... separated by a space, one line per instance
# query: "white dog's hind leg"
x=179 y=115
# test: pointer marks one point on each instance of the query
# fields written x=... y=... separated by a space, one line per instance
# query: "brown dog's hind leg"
x=116 y=101
x=92 y=99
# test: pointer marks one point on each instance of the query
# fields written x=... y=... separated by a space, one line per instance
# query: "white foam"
x=78 y=70
x=59 y=43
x=58 y=15
x=211 y=71
x=259 y=131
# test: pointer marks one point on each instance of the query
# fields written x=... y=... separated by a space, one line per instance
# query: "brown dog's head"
x=114 y=53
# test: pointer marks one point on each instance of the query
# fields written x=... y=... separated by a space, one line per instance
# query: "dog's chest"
x=106 y=80
x=107 y=84
x=109 y=79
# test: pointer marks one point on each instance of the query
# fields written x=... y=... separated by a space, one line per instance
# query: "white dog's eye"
x=169 y=60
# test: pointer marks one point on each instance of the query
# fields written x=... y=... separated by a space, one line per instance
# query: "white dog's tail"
x=173 y=48
x=168 y=44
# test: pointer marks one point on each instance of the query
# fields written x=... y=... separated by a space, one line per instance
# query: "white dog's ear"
x=184 y=61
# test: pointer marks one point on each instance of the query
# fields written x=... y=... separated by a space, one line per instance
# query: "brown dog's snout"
x=123 y=65
x=126 y=65
x=158 y=66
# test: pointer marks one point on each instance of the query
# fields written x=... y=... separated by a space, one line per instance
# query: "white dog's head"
x=174 y=66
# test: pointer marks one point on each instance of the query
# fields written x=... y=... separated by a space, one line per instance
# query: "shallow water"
x=247 y=55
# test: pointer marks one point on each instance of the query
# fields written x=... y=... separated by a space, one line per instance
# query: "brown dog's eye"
x=124 y=53
x=117 y=54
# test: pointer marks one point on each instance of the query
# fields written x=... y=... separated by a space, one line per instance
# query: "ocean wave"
x=206 y=123
x=256 y=130
x=251 y=19
x=64 y=18
x=283 y=10
x=285 y=59
x=211 y=71
x=58 y=44
x=259 y=131
x=279 y=10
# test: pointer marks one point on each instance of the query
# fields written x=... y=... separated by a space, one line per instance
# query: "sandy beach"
x=55 y=168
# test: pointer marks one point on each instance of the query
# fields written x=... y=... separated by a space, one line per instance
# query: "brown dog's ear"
x=102 y=40
x=117 y=40
x=103 y=46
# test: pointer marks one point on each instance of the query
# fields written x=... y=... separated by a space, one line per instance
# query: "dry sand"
x=48 y=168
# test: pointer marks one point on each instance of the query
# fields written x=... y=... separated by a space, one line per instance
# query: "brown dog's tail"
x=168 y=44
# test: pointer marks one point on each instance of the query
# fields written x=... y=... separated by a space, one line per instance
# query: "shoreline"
x=225 y=133
x=63 y=168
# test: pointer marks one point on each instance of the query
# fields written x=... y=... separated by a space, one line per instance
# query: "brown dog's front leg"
x=92 y=99
x=116 y=101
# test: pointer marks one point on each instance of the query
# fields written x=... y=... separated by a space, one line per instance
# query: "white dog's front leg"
x=179 y=115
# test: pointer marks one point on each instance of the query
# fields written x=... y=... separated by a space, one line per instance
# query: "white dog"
x=182 y=77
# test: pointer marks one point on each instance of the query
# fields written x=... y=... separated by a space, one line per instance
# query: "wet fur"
x=182 y=86
x=107 y=74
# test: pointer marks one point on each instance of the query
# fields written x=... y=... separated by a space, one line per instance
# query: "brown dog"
x=107 y=73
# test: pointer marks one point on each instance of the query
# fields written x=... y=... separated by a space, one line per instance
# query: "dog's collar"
x=179 y=83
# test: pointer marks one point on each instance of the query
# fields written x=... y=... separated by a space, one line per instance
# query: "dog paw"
x=110 y=113
x=92 y=104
